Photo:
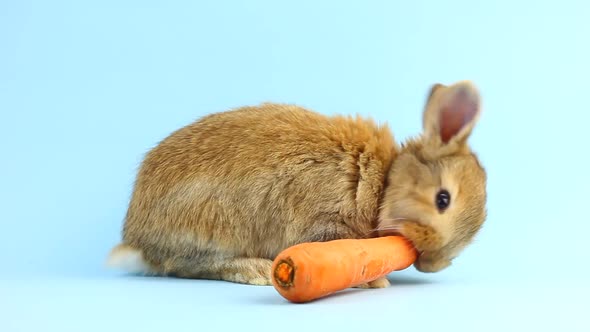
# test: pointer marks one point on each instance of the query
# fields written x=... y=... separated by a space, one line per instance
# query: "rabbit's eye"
x=443 y=199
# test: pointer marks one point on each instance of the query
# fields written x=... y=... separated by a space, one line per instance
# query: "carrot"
x=311 y=270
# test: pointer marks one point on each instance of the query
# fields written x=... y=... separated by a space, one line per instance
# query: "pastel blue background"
x=87 y=87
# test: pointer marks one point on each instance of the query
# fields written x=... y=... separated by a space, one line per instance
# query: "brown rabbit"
x=220 y=198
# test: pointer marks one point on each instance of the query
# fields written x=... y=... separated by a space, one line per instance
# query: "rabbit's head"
x=435 y=193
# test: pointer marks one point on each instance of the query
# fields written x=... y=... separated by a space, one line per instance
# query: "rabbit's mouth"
x=430 y=266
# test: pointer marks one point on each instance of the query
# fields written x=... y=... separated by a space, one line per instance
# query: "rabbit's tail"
x=124 y=257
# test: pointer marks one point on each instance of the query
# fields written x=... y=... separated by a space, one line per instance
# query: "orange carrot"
x=312 y=270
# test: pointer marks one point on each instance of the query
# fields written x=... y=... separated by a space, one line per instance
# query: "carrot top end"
x=284 y=273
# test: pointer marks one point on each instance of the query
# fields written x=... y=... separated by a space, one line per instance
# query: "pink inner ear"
x=458 y=112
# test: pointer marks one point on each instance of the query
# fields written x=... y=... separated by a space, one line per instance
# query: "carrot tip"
x=284 y=273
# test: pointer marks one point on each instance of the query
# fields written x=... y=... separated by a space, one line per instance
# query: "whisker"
x=389 y=228
x=397 y=226
x=397 y=219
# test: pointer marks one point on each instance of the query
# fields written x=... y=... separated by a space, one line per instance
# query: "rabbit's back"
x=255 y=180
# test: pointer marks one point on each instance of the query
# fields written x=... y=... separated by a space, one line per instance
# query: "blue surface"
x=87 y=87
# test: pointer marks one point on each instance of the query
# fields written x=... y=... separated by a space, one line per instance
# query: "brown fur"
x=221 y=197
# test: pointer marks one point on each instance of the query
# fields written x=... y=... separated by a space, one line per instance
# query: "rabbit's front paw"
x=382 y=282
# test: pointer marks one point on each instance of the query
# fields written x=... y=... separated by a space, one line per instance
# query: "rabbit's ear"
x=451 y=112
